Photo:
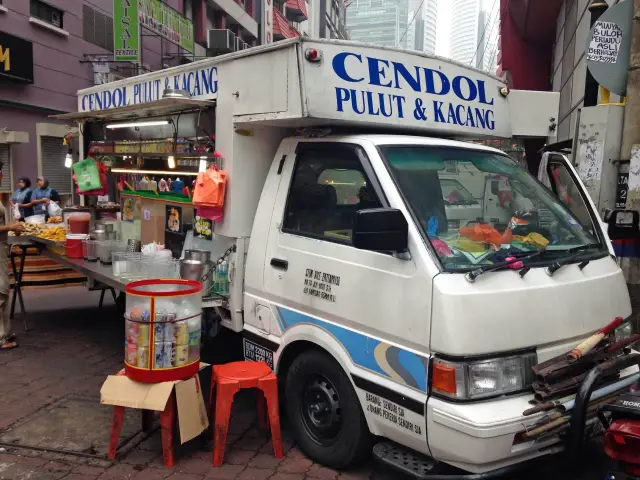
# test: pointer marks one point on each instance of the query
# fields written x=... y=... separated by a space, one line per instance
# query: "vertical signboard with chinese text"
x=126 y=31
x=267 y=22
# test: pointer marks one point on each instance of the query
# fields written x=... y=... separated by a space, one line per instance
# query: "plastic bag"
x=16 y=212
x=210 y=188
x=54 y=210
x=87 y=174
x=102 y=190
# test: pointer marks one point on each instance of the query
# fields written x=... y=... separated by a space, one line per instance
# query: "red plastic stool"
x=167 y=420
x=227 y=380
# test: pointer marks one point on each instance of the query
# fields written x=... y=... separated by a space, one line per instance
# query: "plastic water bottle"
x=224 y=278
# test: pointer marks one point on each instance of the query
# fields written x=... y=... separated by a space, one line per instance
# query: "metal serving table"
x=23 y=242
x=93 y=270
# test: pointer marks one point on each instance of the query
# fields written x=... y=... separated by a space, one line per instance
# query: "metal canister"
x=131 y=354
x=143 y=335
x=158 y=332
x=181 y=355
x=169 y=354
x=181 y=333
x=143 y=357
x=159 y=355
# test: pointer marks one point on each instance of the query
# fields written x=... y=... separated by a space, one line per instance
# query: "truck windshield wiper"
x=576 y=251
x=518 y=257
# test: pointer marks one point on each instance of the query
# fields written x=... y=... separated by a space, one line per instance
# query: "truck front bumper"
x=483 y=436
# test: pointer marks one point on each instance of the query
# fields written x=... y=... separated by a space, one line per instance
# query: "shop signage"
x=160 y=18
x=622 y=188
x=16 y=58
x=203 y=228
x=201 y=83
x=126 y=31
x=174 y=219
x=609 y=46
x=267 y=22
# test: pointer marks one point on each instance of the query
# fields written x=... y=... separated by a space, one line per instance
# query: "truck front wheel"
x=325 y=412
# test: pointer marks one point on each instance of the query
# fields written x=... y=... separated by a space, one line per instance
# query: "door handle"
x=279 y=264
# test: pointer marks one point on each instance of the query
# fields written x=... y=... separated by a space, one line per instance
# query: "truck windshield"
x=477 y=208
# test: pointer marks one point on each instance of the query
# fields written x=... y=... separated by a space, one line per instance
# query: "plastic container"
x=163 y=323
x=92 y=250
x=78 y=222
x=73 y=245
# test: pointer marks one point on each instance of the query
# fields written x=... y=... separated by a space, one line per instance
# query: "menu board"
x=203 y=228
x=173 y=219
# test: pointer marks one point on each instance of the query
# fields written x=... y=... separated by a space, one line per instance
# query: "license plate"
x=257 y=353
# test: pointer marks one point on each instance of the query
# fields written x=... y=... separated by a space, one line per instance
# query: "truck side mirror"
x=381 y=230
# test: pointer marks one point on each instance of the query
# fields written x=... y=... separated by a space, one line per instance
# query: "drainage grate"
x=72 y=425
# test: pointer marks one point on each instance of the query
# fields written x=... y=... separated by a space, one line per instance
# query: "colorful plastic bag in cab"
x=482 y=233
x=210 y=188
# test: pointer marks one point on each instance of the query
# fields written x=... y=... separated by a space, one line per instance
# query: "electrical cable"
x=410 y=23
x=486 y=45
x=484 y=31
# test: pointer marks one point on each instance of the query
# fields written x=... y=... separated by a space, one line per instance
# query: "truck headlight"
x=623 y=331
x=472 y=380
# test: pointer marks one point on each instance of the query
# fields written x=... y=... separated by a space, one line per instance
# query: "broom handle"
x=593 y=340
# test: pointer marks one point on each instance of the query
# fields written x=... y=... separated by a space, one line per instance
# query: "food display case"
x=162 y=328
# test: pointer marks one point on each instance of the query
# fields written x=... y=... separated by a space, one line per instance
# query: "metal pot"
x=198 y=255
x=99 y=235
x=195 y=270
x=134 y=246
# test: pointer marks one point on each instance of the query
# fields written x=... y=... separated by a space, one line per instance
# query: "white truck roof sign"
x=350 y=84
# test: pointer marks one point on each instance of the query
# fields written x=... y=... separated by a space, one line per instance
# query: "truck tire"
x=325 y=412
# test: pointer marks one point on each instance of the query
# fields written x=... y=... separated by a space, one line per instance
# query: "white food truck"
x=382 y=317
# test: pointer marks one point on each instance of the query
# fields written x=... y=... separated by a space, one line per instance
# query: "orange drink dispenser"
x=163 y=322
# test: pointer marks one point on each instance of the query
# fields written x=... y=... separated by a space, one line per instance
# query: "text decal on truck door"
x=320 y=284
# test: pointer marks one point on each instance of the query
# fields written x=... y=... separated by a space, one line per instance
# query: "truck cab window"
x=327 y=190
x=565 y=189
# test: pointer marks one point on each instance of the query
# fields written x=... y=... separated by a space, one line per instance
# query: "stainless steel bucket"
x=195 y=270
x=198 y=255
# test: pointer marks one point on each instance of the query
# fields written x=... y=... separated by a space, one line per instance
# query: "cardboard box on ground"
x=119 y=390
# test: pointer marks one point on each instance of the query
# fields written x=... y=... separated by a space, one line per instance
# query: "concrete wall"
x=58 y=73
x=569 y=67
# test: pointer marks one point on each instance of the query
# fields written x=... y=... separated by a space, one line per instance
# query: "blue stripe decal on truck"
x=382 y=358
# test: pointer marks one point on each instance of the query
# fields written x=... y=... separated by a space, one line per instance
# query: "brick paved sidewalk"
x=71 y=349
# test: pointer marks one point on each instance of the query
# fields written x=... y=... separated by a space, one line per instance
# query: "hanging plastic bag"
x=210 y=188
x=87 y=175
x=15 y=210
x=54 y=210
x=102 y=190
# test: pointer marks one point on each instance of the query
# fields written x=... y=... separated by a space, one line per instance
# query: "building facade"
x=543 y=48
x=53 y=44
x=466 y=32
x=327 y=19
x=379 y=22
x=421 y=33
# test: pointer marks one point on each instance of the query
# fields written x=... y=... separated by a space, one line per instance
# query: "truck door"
x=373 y=306
x=557 y=174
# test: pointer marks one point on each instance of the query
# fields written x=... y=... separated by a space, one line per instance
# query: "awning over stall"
x=157 y=108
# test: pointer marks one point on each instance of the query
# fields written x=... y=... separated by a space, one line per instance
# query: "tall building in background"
x=466 y=30
x=421 y=34
x=380 y=22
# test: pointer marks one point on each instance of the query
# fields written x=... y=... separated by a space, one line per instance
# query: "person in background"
x=7 y=339
x=41 y=197
x=22 y=198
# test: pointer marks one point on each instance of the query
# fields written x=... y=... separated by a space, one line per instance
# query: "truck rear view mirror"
x=381 y=230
